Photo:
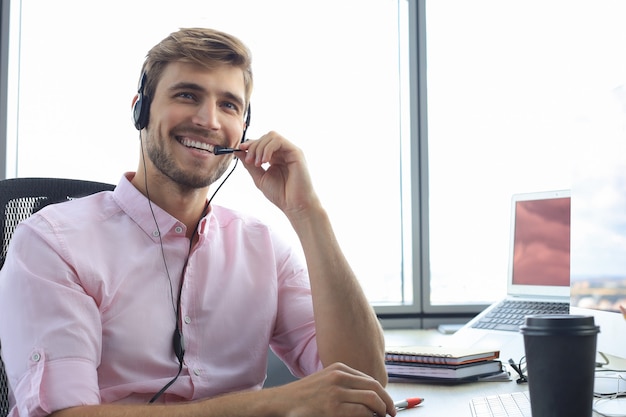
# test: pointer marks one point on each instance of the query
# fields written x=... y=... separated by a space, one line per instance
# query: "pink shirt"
x=87 y=310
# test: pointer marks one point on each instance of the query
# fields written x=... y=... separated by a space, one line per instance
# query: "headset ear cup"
x=141 y=108
x=141 y=112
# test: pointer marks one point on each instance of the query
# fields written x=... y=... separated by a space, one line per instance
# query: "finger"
x=271 y=148
x=340 y=366
x=267 y=148
x=365 y=389
x=374 y=402
x=384 y=404
x=255 y=149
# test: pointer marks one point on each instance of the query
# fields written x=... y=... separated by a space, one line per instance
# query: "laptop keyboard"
x=509 y=314
x=504 y=405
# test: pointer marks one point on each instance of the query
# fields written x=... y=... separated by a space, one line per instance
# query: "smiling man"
x=151 y=301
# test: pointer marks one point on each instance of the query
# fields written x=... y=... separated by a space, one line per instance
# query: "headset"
x=141 y=115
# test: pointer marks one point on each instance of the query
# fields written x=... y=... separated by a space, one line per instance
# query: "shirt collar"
x=151 y=218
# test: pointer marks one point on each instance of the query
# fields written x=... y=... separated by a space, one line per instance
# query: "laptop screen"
x=541 y=242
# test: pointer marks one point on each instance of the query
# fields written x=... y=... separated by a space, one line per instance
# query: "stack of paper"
x=444 y=363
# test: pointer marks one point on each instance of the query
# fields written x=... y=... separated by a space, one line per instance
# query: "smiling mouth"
x=195 y=144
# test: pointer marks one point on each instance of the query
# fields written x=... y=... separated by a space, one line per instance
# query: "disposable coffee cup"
x=560 y=364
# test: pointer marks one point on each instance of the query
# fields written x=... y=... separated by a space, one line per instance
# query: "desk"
x=447 y=400
x=441 y=400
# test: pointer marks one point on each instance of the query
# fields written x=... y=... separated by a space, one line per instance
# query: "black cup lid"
x=546 y=324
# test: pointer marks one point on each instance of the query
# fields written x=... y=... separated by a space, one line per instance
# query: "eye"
x=186 y=95
x=230 y=106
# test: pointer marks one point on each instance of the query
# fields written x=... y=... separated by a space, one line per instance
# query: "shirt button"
x=179 y=229
x=197 y=372
x=187 y=319
x=155 y=233
x=36 y=357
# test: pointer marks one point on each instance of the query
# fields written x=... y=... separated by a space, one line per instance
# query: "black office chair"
x=21 y=197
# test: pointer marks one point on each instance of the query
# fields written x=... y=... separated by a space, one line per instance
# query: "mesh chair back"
x=21 y=197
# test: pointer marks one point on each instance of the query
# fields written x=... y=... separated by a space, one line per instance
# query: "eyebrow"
x=184 y=85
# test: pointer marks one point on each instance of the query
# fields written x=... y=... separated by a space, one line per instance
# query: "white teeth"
x=195 y=144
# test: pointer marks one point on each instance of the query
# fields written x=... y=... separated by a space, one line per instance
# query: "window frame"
x=5 y=20
x=418 y=314
x=422 y=313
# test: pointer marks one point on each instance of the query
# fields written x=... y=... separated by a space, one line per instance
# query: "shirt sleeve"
x=294 y=339
x=51 y=349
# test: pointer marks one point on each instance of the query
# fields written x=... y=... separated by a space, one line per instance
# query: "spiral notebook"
x=438 y=355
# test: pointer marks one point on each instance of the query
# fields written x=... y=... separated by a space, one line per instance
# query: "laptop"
x=538 y=279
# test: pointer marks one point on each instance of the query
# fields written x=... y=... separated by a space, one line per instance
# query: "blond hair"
x=209 y=48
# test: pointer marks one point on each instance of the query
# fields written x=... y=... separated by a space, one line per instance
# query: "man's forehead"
x=226 y=78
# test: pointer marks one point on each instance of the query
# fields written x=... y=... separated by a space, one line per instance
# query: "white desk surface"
x=441 y=400
x=448 y=401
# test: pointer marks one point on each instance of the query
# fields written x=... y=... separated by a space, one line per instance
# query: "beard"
x=192 y=177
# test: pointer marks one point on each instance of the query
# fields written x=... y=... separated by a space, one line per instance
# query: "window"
x=516 y=91
x=419 y=118
x=328 y=76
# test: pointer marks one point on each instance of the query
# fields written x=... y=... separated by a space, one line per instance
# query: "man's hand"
x=285 y=180
x=337 y=390
x=347 y=329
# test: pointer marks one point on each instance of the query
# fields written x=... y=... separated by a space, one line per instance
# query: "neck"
x=186 y=205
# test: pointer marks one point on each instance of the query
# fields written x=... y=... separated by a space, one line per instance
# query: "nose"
x=207 y=115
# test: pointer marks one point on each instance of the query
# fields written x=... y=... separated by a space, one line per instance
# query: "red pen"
x=408 y=403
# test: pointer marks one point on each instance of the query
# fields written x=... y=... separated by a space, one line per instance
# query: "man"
x=150 y=301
